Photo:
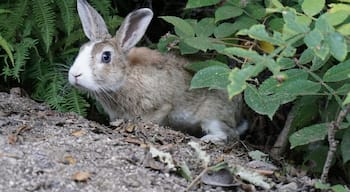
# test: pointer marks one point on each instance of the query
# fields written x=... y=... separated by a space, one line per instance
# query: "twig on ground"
x=196 y=180
x=333 y=127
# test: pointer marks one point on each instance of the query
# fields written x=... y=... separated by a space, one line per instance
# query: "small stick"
x=282 y=141
x=195 y=180
x=333 y=127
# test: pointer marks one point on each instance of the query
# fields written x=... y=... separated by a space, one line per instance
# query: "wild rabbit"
x=134 y=82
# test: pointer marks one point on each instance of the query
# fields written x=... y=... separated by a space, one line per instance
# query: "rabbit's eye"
x=106 y=57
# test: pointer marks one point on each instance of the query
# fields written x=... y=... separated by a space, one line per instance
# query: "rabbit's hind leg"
x=217 y=131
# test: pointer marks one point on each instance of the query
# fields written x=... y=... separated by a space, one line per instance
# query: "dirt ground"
x=44 y=150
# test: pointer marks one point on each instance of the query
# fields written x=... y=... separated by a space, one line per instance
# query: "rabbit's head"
x=101 y=64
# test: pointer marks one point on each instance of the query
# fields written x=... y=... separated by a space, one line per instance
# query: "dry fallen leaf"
x=78 y=133
x=12 y=139
x=134 y=141
x=130 y=128
x=163 y=157
x=70 y=160
x=81 y=176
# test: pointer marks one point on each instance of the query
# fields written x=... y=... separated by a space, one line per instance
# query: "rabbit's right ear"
x=93 y=24
x=133 y=28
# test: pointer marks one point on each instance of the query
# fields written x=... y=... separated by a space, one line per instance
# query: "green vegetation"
x=302 y=44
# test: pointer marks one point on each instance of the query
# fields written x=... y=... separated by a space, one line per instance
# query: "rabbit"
x=137 y=82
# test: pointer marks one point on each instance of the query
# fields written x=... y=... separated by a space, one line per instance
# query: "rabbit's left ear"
x=133 y=28
x=93 y=24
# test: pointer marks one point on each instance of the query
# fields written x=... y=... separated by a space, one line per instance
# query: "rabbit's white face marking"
x=80 y=74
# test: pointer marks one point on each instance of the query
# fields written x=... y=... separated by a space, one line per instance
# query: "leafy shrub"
x=304 y=47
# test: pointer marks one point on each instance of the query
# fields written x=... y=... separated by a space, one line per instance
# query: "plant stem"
x=333 y=127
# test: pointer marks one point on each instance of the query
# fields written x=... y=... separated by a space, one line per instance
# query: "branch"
x=333 y=127
x=282 y=141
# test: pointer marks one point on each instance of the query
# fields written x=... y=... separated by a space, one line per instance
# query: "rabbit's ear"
x=133 y=28
x=93 y=24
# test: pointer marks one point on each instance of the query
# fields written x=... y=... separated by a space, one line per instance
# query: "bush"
x=304 y=47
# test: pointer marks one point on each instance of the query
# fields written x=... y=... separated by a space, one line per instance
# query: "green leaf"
x=344 y=29
x=306 y=56
x=21 y=56
x=337 y=45
x=254 y=57
x=260 y=103
x=313 y=39
x=339 y=188
x=205 y=27
x=276 y=24
x=317 y=156
x=200 y=3
x=277 y=3
x=305 y=111
x=255 y=10
x=2 y=11
x=186 y=49
x=182 y=26
x=102 y=6
x=44 y=16
x=308 y=135
x=335 y=7
x=293 y=25
x=343 y=90
x=338 y=72
x=7 y=47
x=317 y=63
x=201 y=43
x=347 y=99
x=165 y=43
x=196 y=66
x=238 y=78
x=227 y=12
x=67 y=10
x=322 y=51
x=74 y=101
x=258 y=32
x=289 y=51
x=336 y=18
x=240 y=52
x=312 y=7
x=345 y=146
x=214 y=77
x=323 y=26
x=285 y=63
x=225 y=30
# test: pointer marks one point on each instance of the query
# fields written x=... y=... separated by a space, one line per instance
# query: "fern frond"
x=15 y=20
x=8 y=48
x=102 y=6
x=2 y=11
x=74 y=101
x=21 y=56
x=68 y=15
x=73 y=38
x=39 y=74
x=44 y=16
x=53 y=93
